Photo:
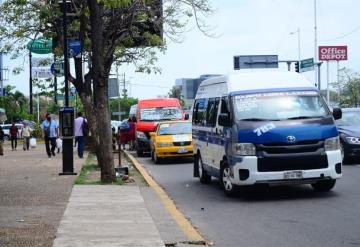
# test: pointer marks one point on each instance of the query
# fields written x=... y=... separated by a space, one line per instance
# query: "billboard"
x=333 y=53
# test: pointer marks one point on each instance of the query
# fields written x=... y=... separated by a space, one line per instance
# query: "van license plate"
x=293 y=175
x=182 y=150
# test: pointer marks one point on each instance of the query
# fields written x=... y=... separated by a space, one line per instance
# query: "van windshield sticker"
x=247 y=104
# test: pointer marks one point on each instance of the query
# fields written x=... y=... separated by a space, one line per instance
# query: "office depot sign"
x=332 y=53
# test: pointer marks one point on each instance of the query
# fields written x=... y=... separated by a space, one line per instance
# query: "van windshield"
x=160 y=113
x=279 y=106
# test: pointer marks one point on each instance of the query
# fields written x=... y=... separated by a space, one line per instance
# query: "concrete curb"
x=184 y=224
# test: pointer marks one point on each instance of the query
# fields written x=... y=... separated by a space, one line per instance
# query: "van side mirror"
x=152 y=134
x=337 y=113
x=186 y=116
x=134 y=119
x=224 y=120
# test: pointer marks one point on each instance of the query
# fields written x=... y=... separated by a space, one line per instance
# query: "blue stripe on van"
x=272 y=90
x=303 y=132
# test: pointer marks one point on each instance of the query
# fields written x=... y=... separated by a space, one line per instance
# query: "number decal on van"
x=265 y=128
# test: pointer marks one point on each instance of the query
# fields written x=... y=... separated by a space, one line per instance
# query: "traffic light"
x=297 y=69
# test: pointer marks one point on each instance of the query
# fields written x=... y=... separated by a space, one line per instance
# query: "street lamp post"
x=299 y=47
x=67 y=154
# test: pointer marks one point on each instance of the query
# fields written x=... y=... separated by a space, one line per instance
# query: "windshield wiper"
x=303 y=117
x=258 y=119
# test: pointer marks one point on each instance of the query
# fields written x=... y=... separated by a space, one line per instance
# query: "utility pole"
x=30 y=85
x=315 y=43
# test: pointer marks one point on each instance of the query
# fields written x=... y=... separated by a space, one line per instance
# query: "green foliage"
x=37 y=131
x=125 y=104
x=175 y=92
x=15 y=104
x=348 y=88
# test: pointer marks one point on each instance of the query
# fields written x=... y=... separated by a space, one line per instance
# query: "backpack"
x=85 y=128
x=125 y=126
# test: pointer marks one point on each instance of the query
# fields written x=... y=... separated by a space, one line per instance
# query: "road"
x=277 y=216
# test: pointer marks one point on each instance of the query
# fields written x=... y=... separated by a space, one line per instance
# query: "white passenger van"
x=264 y=127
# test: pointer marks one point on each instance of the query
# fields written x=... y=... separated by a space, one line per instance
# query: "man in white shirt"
x=79 y=134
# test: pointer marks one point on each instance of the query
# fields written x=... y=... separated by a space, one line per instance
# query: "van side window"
x=211 y=112
x=224 y=108
x=199 y=111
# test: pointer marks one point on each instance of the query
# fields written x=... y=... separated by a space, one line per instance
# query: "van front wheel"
x=225 y=180
x=325 y=185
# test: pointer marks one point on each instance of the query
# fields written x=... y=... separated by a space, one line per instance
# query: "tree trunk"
x=105 y=151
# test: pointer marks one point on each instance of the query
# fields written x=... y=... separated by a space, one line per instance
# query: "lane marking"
x=169 y=204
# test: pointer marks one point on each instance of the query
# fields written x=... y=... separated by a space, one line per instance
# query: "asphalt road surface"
x=276 y=216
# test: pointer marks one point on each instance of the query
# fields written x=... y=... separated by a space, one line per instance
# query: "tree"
x=348 y=88
x=120 y=31
x=125 y=104
x=175 y=92
x=15 y=104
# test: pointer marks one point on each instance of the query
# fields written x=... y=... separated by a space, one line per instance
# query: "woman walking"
x=26 y=133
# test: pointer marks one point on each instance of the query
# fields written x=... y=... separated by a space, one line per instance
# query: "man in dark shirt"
x=13 y=136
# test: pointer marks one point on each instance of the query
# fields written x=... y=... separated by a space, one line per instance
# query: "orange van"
x=149 y=113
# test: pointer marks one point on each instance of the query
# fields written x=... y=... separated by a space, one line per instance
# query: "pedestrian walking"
x=50 y=133
x=14 y=132
x=26 y=133
x=2 y=134
x=131 y=133
x=81 y=131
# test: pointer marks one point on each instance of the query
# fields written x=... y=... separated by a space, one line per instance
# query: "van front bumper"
x=174 y=151
x=245 y=172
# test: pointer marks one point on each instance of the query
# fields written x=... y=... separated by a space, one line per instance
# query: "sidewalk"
x=108 y=215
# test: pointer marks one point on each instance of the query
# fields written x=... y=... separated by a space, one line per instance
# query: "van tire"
x=205 y=178
x=225 y=182
x=324 y=185
x=157 y=160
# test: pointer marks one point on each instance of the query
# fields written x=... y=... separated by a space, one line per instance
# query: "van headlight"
x=140 y=134
x=332 y=144
x=353 y=140
x=244 y=149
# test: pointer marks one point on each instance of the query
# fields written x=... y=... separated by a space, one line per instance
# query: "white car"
x=6 y=129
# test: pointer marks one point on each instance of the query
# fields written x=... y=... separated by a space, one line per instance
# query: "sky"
x=244 y=27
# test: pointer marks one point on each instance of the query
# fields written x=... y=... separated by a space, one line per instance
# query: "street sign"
x=113 y=88
x=119 y=113
x=307 y=65
x=333 y=53
x=41 y=72
x=74 y=48
x=57 y=69
x=255 y=62
x=40 y=46
x=62 y=97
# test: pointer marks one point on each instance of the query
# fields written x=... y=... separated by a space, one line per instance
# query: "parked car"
x=6 y=129
x=349 y=129
x=171 y=139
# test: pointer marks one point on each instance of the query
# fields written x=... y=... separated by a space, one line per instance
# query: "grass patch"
x=90 y=174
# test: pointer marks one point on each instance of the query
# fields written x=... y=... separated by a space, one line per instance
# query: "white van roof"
x=254 y=80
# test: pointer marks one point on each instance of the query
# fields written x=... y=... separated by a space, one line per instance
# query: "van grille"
x=182 y=143
x=299 y=156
